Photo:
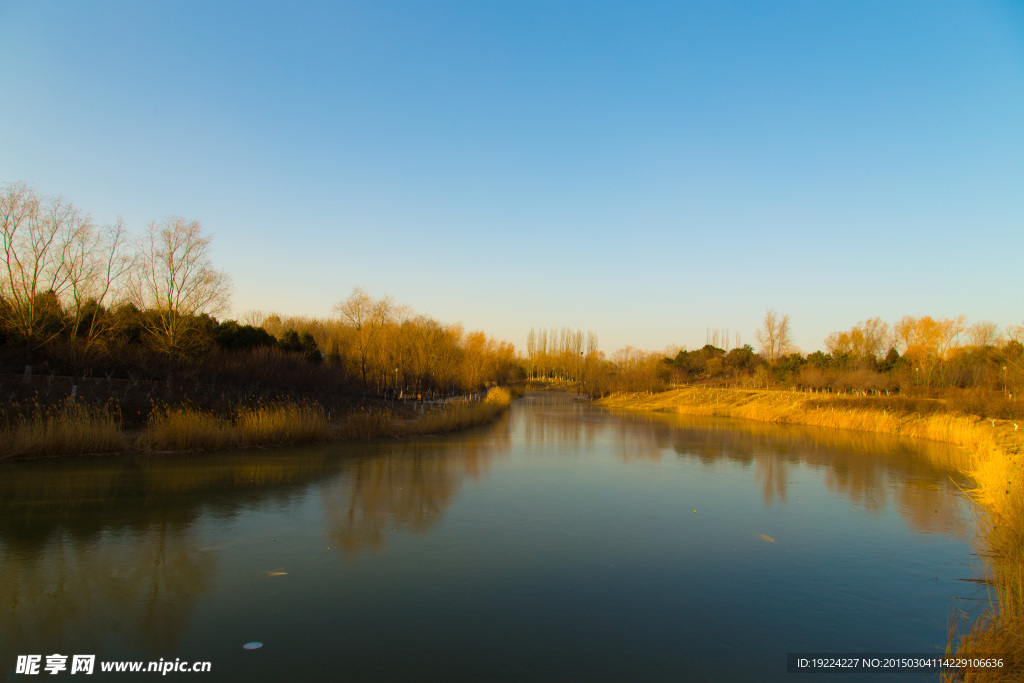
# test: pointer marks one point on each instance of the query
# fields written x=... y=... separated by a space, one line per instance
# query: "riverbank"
x=992 y=456
x=86 y=430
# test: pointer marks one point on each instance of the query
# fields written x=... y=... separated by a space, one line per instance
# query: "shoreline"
x=83 y=431
x=993 y=459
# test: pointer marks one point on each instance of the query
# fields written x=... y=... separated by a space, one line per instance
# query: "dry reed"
x=376 y=424
x=72 y=429
x=283 y=424
x=67 y=430
x=186 y=428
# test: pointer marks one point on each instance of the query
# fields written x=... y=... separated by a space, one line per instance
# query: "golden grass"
x=283 y=424
x=185 y=428
x=460 y=416
x=76 y=429
x=990 y=453
x=499 y=396
x=71 y=429
x=381 y=423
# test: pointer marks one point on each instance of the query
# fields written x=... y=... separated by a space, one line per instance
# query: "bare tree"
x=983 y=333
x=175 y=282
x=774 y=336
x=1015 y=333
x=98 y=263
x=38 y=240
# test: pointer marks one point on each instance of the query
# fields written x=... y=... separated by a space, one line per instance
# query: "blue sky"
x=642 y=170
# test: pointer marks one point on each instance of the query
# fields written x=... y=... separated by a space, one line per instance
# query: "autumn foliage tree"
x=864 y=342
x=367 y=318
x=927 y=341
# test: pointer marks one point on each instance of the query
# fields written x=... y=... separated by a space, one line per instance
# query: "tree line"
x=558 y=353
x=74 y=288
x=89 y=301
x=915 y=355
x=387 y=348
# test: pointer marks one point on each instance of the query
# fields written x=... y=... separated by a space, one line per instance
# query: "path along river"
x=563 y=542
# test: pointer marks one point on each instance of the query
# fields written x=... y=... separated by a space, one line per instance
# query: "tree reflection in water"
x=872 y=470
x=408 y=487
x=110 y=551
x=103 y=550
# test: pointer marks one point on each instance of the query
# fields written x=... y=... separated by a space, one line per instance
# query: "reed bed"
x=375 y=424
x=991 y=453
x=462 y=416
x=67 y=430
x=499 y=396
x=185 y=428
x=78 y=429
x=283 y=424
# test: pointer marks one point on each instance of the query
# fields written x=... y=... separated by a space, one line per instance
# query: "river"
x=563 y=542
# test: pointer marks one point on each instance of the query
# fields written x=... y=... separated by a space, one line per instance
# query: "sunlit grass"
x=186 y=428
x=72 y=429
x=462 y=416
x=283 y=424
x=382 y=423
x=499 y=396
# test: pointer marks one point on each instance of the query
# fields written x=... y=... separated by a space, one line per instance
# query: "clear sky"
x=645 y=170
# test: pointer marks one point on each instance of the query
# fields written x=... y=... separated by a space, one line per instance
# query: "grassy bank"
x=183 y=428
x=79 y=429
x=70 y=430
x=992 y=455
x=383 y=423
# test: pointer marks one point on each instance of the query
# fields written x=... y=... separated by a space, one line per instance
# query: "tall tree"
x=865 y=340
x=983 y=333
x=39 y=238
x=99 y=263
x=176 y=283
x=368 y=318
x=927 y=341
x=774 y=336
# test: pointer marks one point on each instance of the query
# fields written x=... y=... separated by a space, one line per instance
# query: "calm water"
x=561 y=543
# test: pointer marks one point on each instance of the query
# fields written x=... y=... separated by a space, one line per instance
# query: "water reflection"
x=111 y=547
x=140 y=586
x=107 y=549
x=406 y=487
x=86 y=498
x=119 y=554
x=873 y=471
